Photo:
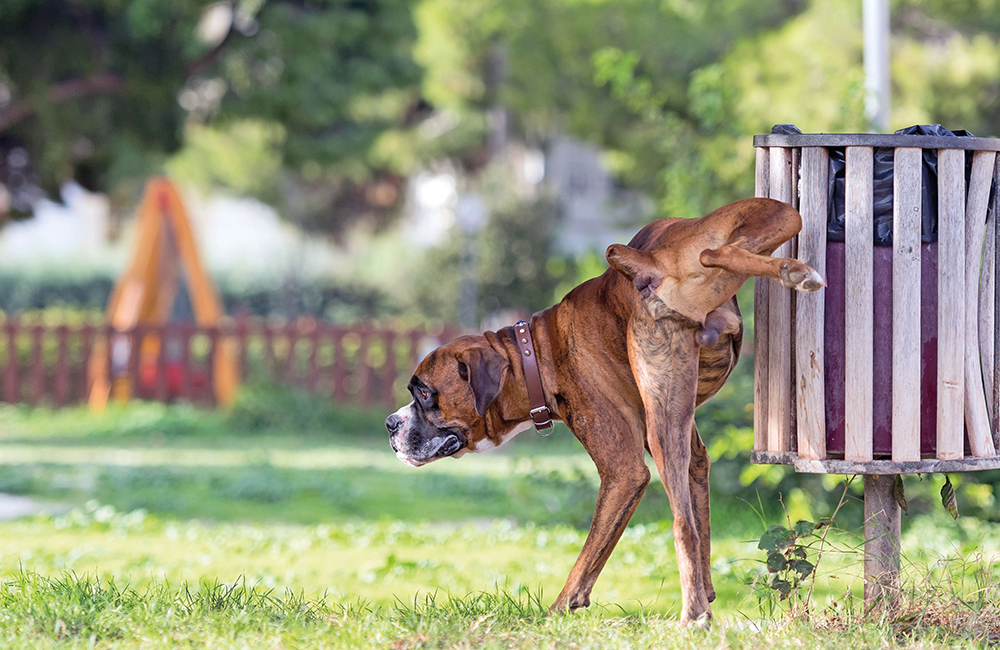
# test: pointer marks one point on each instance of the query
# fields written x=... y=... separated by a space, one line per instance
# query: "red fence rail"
x=359 y=365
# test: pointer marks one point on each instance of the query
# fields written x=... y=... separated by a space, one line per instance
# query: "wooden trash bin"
x=903 y=339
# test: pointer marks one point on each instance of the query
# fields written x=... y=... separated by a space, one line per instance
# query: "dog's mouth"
x=450 y=446
x=444 y=446
x=433 y=449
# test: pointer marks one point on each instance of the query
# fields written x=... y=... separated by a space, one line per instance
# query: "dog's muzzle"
x=414 y=445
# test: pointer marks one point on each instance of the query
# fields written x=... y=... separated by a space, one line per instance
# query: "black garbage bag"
x=882 y=185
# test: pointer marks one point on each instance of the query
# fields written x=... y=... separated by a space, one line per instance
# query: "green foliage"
x=259 y=410
x=100 y=91
x=209 y=158
x=363 y=542
x=71 y=293
x=644 y=55
x=787 y=557
x=71 y=610
x=267 y=407
x=514 y=248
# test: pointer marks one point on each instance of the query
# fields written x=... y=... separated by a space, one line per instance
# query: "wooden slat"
x=760 y=330
x=809 y=366
x=859 y=305
x=976 y=418
x=994 y=369
x=906 y=305
x=779 y=408
x=951 y=304
x=986 y=305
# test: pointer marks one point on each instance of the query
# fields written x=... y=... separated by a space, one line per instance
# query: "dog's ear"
x=636 y=265
x=485 y=369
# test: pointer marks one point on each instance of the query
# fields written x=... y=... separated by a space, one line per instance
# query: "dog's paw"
x=702 y=621
x=798 y=276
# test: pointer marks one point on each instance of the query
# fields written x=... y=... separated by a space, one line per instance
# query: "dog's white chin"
x=410 y=461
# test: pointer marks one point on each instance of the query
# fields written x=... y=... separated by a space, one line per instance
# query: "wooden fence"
x=359 y=365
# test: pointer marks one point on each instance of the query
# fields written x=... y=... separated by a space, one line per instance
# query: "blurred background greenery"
x=332 y=110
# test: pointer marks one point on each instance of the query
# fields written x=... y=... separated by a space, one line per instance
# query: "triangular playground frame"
x=144 y=295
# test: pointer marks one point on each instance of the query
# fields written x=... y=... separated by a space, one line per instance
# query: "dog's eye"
x=424 y=395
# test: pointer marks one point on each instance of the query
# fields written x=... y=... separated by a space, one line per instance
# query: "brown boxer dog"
x=624 y=360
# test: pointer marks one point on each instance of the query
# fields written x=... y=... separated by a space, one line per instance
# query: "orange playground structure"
x=164 y=262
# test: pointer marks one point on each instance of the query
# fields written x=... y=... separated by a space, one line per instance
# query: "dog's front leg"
x=614 y=440
x=701 y=502
x=664 y=358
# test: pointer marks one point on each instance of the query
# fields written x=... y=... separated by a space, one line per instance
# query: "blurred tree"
x=550 y=48
x=672 y=90
x=99 y=90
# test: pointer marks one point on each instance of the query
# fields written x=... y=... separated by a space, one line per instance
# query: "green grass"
x=170 y=526
x=73 y=611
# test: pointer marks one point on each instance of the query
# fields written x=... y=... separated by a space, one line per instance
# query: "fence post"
x=86 y=349
x=60 y=383
x=213 y=346
x=292 y=336
x=269 y=359
x=184 y=388
x=12 y=380
x=391 y=372
x=313 y=378
x=37 y=373
x=363 y=369
x=161 y=384
x=339 y=367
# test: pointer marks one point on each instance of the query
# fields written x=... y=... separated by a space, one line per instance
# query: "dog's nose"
x=393 y=423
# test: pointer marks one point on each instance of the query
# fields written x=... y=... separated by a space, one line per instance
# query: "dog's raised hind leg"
x=735 y=259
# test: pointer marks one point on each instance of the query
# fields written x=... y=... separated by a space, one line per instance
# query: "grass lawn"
x=174 y=527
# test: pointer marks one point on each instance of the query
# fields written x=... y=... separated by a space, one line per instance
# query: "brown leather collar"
x=532 y=378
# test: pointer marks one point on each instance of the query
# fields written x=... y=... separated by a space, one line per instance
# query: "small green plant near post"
x=787 y=562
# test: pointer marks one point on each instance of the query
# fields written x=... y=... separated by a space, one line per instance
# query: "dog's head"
x=452 y=390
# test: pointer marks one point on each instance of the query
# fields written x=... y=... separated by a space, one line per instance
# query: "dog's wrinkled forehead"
x=437 y=371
